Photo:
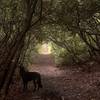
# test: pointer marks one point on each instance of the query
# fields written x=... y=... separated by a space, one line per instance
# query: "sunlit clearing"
x=45 y=49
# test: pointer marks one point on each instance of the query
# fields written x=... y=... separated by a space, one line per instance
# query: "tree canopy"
x=73 y=26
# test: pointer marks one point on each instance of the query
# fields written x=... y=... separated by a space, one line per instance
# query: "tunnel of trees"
x=72 y=27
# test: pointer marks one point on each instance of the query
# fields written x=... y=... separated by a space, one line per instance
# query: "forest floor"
x=69 y=84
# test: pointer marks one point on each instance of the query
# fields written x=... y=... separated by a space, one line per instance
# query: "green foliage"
x=72 y=17
x=79 y=52
x=68 y=23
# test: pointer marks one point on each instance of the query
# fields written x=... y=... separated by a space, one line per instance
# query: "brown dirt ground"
x=69 y=83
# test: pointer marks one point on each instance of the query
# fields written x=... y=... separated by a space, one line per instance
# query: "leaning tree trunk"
x=14 y=51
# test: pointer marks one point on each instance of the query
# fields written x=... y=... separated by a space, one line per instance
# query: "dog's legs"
x=34 y=85
x=38 y=85
x=24 y=86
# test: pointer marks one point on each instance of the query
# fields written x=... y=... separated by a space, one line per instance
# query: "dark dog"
x=30 y=76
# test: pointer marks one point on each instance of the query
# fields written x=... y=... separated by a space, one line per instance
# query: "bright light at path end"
x=45 y=49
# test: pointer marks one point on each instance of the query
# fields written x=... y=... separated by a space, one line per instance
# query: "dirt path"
x=70 y=83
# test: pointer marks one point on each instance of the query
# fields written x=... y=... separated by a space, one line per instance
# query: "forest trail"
x=71 y=83
x=45 y=65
